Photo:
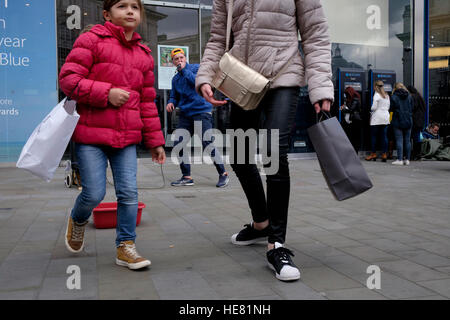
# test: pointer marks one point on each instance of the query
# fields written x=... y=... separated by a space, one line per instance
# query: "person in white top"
x=379 y=121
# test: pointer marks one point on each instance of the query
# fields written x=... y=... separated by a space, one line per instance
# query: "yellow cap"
x=175 y=52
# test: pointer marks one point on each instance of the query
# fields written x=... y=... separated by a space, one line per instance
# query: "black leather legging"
x=276 y=111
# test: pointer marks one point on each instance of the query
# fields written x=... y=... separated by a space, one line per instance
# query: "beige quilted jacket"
x=272 y=28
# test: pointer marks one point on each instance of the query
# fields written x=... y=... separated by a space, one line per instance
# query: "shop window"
x=439 y=72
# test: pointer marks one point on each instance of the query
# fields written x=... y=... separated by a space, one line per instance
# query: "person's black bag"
x=341 y=166
x=356 y=110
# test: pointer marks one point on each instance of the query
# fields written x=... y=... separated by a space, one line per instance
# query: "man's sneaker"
x=74 y=235
x=223 y=181
x=182 y=182
x=127 y=256
x=406 y=162
x=249 y=235
x=397 y=163
x=280 y=261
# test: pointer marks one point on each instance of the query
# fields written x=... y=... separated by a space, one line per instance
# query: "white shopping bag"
x=44 y=149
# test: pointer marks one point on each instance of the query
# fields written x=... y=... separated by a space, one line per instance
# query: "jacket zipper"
x=247 y=49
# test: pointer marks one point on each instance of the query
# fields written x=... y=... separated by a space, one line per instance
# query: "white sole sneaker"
x=226 y=183
x=133 y=266
x=67 y=243
x=248 y=242
x=292 y=277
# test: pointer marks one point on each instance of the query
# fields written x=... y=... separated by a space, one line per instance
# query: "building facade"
x=409 y=39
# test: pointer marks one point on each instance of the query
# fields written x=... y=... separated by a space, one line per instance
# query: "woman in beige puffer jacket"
x=264 y=35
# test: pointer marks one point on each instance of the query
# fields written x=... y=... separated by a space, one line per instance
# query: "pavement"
x=401 y=226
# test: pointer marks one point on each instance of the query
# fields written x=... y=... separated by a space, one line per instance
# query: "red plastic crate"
x=105 y=215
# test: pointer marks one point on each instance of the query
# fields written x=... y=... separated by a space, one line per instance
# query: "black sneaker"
x=280 y=261
x=249 y=235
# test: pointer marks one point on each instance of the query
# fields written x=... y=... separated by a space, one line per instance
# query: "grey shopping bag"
x=341 y=166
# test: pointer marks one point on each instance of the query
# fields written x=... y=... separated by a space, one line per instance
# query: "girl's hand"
x=117 y=97
x=158 y=154
x=207 y=93
x=323 y=105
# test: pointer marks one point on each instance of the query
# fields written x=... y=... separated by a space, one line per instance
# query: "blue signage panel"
x=349 y=77
x=28 y=70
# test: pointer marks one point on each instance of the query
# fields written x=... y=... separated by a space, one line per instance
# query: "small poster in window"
x=166 y=70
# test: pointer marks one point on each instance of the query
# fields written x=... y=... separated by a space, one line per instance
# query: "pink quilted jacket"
x=102 y=59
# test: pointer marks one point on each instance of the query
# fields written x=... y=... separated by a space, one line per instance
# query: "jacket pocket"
x=266 y=58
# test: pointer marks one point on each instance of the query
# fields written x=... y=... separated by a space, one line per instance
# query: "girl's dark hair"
x=107 y=5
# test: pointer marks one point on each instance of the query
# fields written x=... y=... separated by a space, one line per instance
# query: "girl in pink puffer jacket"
x=110 y=75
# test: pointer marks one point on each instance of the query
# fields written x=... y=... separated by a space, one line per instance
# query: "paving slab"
x=411 y=270
x=354 y=294
x=425 y=258
x=56 y=288
x=400 y=225
x=28 y=268
x=440 y=286
x=323 y=278
x=395 y=287
x=183 y=285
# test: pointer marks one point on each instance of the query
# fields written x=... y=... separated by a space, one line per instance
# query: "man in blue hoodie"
x=193 y=107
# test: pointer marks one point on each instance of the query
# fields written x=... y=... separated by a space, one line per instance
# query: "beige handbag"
x=243 y=85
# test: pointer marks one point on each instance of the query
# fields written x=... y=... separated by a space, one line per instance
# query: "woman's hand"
x=207 y=93
x=117 y=97
x=323 y=105
x=158 y=154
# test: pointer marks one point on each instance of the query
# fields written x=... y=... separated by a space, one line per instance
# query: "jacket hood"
x=401 y=93
x=111 y=30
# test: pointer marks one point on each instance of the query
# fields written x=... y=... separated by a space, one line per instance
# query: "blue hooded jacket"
x=183 y=94
x=402 y=106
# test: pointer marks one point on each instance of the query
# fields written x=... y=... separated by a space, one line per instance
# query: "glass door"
x=172 y=27
x=439 y=71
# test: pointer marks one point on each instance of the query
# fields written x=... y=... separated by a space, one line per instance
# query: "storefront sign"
x=166 y=69
x=28 y=70
x=362 y=22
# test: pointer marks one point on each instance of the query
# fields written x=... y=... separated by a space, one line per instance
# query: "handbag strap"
x=286 y=65
x=229 y=21
x=227 y=46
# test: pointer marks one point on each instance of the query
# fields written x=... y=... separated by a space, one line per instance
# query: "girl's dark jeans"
x=276 y=111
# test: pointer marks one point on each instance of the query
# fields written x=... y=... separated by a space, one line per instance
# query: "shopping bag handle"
x=327 y=115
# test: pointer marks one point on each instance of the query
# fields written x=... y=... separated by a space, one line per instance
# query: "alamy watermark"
x=374 y=281
x=262 y=147
x=74 y=280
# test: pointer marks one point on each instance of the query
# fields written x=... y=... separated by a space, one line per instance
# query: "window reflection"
x=439 y=77
x=180 y=26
